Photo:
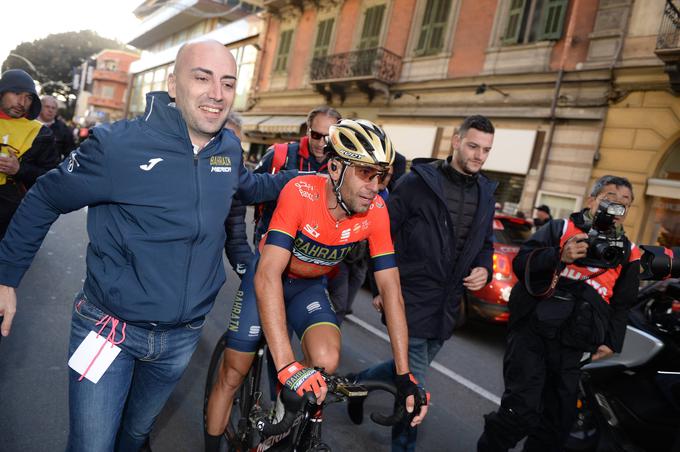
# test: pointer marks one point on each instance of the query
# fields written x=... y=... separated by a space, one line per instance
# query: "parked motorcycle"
x=631 y=401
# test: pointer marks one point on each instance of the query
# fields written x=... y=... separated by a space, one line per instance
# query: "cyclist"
x=308 y=154
x=317 y=221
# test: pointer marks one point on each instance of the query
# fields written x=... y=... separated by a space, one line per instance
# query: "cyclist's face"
x=361 y=185
x=317 y=133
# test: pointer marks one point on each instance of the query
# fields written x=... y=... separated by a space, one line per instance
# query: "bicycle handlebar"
x=296 y=407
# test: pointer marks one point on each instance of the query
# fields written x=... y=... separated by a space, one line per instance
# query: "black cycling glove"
x=408 y=385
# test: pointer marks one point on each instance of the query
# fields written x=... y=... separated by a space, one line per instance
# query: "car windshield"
x=513 y=232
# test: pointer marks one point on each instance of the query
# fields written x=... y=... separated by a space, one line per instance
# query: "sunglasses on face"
x=316 y=135
x=367 y=174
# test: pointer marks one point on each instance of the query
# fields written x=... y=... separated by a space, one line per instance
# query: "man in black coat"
x=441 y=220
x=28 y=149
x=63 y=135
x=568 y=301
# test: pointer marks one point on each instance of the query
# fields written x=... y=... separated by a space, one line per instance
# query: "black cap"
x=544 y=208
x=18 y=81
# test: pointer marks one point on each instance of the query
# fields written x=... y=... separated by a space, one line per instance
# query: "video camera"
x=606 y=246
x=659 y=262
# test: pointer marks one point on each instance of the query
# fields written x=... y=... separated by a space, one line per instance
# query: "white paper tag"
x=86 y=354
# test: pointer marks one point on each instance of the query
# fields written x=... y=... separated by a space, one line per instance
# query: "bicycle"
x=253 y=425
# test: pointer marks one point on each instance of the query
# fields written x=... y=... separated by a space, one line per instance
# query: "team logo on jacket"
x=152 y=162
x=220 y=164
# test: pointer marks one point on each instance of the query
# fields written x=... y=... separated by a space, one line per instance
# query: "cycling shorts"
x=306 y=300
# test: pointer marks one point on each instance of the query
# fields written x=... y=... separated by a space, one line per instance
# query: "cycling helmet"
x=361 y=142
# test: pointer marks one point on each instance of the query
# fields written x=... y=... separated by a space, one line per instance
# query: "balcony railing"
x=376 y=64
x=669 y=31
x=668 y=43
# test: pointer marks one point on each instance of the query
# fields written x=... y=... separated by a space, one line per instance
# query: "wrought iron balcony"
x=376 y=64
x=669 y=31
x=668 y=42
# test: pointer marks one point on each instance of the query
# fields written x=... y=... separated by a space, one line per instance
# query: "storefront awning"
x=250 y=123
x=291 y=125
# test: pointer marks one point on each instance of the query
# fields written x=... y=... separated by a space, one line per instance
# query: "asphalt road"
x=33 y=371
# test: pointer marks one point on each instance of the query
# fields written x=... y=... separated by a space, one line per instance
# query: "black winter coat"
x=541 y=256
x=423 y=236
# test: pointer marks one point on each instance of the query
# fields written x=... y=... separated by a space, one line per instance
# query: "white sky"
x=28 y=20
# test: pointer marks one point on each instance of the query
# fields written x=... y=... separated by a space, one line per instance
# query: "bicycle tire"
x=238 y=410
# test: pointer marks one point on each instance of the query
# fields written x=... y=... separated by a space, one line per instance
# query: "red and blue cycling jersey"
x=303 y=224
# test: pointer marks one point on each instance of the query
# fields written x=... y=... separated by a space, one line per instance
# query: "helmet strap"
x=336 y=190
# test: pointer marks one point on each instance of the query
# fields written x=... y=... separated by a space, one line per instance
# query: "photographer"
x=577 y=280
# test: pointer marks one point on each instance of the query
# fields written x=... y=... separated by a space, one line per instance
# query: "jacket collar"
x=162 y=116
x=427 y=170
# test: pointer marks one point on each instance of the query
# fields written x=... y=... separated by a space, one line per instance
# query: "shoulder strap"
x=280 y=157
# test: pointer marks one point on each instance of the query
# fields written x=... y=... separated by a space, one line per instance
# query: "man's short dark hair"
x=603 y=181
x=323 y=109
x=477 y=122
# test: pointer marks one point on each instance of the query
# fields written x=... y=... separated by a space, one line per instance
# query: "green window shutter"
x=370 y=33
x=514 y=27
x=435 y=18
x=284 y=49
x=323 y=37
x=552 y=19
x=425 y=28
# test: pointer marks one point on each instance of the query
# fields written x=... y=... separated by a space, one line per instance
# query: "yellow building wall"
x=639 y=131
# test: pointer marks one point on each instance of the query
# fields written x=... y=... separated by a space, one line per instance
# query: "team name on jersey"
x=308 y=250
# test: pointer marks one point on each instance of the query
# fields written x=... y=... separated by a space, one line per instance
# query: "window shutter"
x=435 y=18
x=370 y=33
x=284 y=48
x=323 y=37
x=515 y=14
x=552 y=19
x=425 y=28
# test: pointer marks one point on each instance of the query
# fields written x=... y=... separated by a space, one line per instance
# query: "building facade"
x=103 y=93
x=641 y=138
x=166 y=25
x=549 y=73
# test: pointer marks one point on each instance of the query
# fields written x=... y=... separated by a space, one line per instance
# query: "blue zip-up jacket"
x=424 y=243
x=155 y=219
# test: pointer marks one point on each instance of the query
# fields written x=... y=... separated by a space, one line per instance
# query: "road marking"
x=435 y=365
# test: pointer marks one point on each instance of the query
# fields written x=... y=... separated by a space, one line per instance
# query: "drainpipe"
x=612 y=65
x=568 y=41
